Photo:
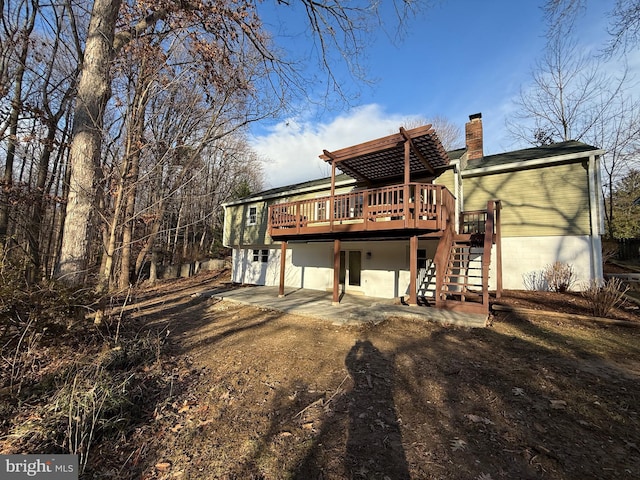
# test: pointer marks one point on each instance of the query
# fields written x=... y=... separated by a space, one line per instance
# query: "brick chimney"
x=473 y=136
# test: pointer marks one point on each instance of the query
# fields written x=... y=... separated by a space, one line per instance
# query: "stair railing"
x=441 y=258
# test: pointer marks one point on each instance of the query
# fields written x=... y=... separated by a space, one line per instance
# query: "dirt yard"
x=240 y=392
x=260 y=395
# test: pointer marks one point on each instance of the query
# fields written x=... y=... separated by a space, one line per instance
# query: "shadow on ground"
x=273 y=396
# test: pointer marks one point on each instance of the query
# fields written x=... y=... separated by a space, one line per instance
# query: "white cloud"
x=291 y=148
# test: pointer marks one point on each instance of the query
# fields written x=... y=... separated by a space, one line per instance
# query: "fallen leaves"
x=458 y=445
x=478 y=419
x=558 y=404
x=163 y=466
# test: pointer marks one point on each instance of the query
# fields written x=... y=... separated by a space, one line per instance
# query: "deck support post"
x=336 y=272
x=283 y=261
x=413 y=271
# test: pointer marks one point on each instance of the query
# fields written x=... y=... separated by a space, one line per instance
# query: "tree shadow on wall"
x=374 y=443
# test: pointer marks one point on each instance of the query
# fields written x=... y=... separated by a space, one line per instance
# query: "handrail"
x=441 y=258
x=473 y=221
x=441 y=262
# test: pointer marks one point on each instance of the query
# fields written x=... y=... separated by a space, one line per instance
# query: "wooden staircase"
x=463 y=260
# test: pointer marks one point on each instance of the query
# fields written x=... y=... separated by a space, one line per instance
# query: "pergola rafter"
x=385 y=158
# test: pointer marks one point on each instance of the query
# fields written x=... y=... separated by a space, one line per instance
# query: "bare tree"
x=94 y=91
x=623 y=28
x=573 y=97
x=618 y=133
x=449 y=133
x=25 y=17
x=38 y=67
x=570 y=93
x=221 y=33
x=57 y=88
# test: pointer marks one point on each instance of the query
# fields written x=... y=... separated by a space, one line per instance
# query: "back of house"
x=406 y=219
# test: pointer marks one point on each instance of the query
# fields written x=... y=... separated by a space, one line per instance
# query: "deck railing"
x=473 y=222
x=372 y=209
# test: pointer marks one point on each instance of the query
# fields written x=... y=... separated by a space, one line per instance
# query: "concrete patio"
x=352 y=310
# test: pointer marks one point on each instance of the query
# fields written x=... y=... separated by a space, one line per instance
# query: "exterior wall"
x=524 y=258
x=245 y=270
x=538 y=202
x=447 y=179
x=238 y=231
x=384 y=274
x=546 y=217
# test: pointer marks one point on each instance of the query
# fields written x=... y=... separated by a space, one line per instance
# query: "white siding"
x=385 y=273
x=524 y=257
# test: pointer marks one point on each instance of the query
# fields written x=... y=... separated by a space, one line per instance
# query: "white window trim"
x=253 y=221
x=260 y=255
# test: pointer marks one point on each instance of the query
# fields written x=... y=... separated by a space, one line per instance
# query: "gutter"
x=286 y=193
x=539 y=162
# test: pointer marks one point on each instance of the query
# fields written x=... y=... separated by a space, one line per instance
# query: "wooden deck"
x=372 y=210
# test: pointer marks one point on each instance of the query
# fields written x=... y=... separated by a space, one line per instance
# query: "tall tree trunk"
x=127 y=232
x=14 y=117
x=59 y=226
x=55 y=185
x=110 y=240
x=37 y=214
x=94 y=90
x=155 y=227
x=135 y=151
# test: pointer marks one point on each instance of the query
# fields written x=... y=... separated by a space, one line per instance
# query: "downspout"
x=595 y=210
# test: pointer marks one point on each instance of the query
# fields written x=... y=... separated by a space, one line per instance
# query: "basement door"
x=350 y=270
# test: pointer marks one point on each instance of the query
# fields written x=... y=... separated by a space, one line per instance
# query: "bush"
x=558 y=277
x=43 y=305
x=604 y=296
x=534 y=281
x=98 y=397
x=32 y=316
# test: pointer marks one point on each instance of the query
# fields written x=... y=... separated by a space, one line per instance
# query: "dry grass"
x=206 y=389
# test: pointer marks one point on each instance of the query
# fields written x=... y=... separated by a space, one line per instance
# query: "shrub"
x=534 y=281
x=559 y=277
x=604 y=296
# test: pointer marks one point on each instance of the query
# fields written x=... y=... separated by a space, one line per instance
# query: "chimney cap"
x=475 y=115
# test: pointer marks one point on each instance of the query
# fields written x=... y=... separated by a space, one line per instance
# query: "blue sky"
x=459 y=57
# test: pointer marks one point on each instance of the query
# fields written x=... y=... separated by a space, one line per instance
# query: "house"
x=407 y=219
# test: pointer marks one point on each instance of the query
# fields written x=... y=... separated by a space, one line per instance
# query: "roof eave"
x=526 y=164
x=286 y=193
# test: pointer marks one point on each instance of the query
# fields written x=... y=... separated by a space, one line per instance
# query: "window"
x=261 y=256
x=252 y=217
x=422 y=258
